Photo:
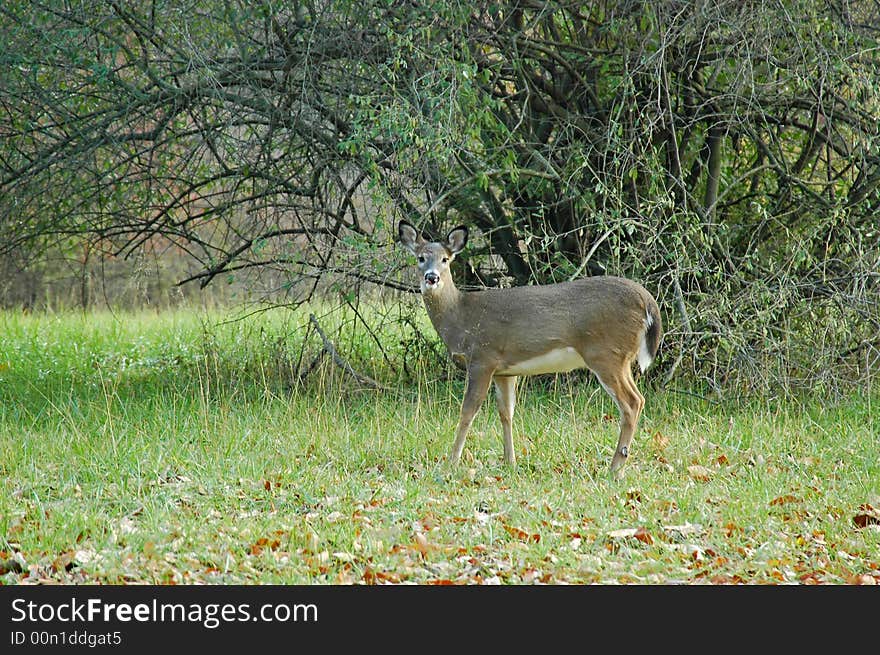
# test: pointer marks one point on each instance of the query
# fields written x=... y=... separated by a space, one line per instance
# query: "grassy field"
x=179 y=448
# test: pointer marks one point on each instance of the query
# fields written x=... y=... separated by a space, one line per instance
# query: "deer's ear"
x=457 y=238
x=409 y=236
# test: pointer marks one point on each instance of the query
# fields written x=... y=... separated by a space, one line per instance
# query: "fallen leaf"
x=659 y=441
x=262 y=544
x=372 y=576
x=776 y=574
x=634 y=495
x=521 y=534
x=344 y=577
x=812 y=578
x=863 y=579
x=429 y=522
x=65 y=561
x=530 y=575
x=699 y=473
x=640 y=534
x=782 y=500
x=623 y=533
x=868 y=516
x=421 y=545
x=644 y=536
x=684 y=530
x=730 y=528
x=693 y=551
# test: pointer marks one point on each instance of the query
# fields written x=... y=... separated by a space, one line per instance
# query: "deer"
x=603 y=323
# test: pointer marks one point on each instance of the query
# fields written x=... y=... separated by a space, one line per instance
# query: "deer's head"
x=433 y=257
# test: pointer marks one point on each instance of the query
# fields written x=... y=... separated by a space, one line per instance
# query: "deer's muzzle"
x=432 y=279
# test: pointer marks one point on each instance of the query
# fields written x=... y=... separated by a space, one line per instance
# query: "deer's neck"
x=443 y=308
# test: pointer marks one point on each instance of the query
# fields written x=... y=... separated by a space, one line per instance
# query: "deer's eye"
x=421 y=259
x=446 y=260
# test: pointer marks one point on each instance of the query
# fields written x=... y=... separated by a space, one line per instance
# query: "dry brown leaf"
x=429 y=522
x=421 y=545
x=659 y=442
x=623 y=533
x=863 y=579
x=868 y=515
x=684 y=530
x=634 y=496
x=730 y=528
x=521 y=534
x=388 y=576
x=262 y=544
x=644 y=536
x=692 y=551
x=699 y=473
x=812 y=578
x=640 y=534
x=782 y=500
x=530 y=575
x=65 y=561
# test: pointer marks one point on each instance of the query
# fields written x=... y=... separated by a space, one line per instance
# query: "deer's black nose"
x=431 y=277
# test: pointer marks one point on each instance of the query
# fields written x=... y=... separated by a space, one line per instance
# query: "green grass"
x=181 y=448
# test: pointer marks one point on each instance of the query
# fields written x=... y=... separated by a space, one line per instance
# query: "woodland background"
x=724 y=153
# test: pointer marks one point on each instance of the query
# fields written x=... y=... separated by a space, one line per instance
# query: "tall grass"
x=188 y=447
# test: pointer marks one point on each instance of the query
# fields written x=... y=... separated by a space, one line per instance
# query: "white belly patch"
x=560 y=360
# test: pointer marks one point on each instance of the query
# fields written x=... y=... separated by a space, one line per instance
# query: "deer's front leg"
x=478 y=380
x=505 y=396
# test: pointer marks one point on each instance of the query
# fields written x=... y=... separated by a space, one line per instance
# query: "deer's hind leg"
x=616 y=378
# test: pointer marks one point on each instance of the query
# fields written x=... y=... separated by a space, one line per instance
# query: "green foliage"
x=727 y=159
